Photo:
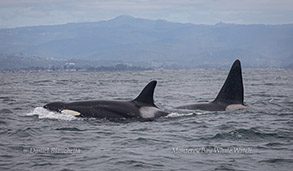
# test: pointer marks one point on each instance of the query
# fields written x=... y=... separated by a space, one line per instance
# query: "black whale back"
x=232 y=90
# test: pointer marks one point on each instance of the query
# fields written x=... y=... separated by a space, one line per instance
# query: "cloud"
x=35 y=12
x=152 y=4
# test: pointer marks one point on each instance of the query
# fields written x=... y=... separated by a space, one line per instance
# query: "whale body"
x=141 y=107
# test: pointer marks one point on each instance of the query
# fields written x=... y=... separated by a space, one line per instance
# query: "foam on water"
x=181 y=114
x=175 y=115
x=44 y=113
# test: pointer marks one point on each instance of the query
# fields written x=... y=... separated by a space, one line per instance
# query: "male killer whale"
x=230 y=97
x=141 y=107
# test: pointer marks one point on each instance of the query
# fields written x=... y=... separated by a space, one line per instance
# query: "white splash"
x=44 y=113
x=175 y=115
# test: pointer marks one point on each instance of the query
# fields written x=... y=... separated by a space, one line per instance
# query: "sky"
x=18 y=13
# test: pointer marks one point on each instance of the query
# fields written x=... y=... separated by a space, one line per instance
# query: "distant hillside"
x=155 y=42
x=16 y=62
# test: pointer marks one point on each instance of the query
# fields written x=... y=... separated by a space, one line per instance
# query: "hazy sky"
x=15 y=13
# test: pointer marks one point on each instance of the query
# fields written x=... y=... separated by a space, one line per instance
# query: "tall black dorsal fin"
x=232 y=90
x=147 y=94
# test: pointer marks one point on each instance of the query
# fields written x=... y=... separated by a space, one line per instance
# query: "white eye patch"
x=70 y=112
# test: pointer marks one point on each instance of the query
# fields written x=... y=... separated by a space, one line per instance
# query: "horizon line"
x=119 y=16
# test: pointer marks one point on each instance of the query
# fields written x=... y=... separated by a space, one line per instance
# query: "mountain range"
x=154 y=43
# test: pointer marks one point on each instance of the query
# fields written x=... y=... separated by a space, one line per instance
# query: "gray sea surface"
x=259 y=138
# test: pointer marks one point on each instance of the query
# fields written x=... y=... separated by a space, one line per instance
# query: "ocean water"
x=32 y=138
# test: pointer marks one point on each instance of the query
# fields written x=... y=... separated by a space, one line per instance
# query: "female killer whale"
x=141 y=107
x=230 y=97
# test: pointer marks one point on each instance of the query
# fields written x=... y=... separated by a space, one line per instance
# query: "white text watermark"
x=51 y=150
x=212 y=150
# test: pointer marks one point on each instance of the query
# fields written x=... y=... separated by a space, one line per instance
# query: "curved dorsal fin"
x=232 y=90
x=147 y=94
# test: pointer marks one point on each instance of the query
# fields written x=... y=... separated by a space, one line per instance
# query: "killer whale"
x=141 y=107
x=230 y=97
